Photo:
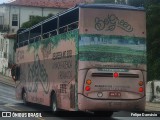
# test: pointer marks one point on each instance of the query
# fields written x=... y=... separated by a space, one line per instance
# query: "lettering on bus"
x=111 y=22
x=110 y=87
x=37 y=73
x=63 y=54
x=20 y=55
x=62 y=61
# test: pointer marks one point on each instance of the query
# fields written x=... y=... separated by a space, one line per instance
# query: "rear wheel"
x=24 y=97
x=54 y=107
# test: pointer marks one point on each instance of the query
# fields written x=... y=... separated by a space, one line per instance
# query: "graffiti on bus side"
x=111 y=22
x=20 y=55
x=62 y=62
x=37 y=73
x=36 y=99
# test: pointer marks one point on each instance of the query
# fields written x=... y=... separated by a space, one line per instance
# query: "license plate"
x=114 y=94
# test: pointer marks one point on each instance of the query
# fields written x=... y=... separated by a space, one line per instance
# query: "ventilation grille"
x=122 y=75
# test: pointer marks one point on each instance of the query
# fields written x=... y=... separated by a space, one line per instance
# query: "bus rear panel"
x=112 y=59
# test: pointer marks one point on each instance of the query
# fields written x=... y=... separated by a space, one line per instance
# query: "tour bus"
x=91 y=57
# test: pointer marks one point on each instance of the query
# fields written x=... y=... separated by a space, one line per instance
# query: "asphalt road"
x=8 y=103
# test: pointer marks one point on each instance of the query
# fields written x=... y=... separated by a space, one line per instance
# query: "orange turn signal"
x=140 y=83
x=88 y=82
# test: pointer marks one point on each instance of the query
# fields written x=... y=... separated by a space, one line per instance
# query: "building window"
x=14 y=20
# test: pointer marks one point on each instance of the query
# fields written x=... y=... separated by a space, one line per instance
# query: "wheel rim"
x=54 y=107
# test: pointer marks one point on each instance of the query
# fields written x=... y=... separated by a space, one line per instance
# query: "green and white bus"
x=88 y=58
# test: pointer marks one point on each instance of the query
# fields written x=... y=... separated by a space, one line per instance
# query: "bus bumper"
x=88 y=104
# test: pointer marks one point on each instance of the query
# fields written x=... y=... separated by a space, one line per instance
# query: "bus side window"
x=35 y=33
x=46 y=35
x=73 y=26
x=68 y=21
x=23 y=39
x=25 y=42
x=49 y=28
x=63 y=30
x=53 y=33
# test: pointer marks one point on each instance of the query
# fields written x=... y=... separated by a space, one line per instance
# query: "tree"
x=121 y=2
x=137 y=3
x=34 y=20
x=153 y=38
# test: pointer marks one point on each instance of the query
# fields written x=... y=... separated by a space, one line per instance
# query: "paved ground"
x=150 y=106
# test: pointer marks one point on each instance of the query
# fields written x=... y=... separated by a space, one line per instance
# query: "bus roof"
x=99 y=6
x=111 y=6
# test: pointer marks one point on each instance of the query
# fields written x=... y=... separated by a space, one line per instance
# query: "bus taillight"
x=87 y=88
x=115 y=75
x=141 y=89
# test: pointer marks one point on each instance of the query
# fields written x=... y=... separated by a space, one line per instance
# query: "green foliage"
x=137 y=3
x=153 y=39
x=34 y=20
x=121 y=2
x=153 y=35
x=71 y=35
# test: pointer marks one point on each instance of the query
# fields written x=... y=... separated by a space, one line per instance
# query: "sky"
x=5 y=1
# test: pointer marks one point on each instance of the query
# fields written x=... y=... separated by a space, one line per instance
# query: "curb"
x=152 y=107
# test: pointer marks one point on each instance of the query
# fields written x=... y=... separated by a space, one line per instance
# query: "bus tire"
x=24 y=98
x=54 y=107
x=103 y=113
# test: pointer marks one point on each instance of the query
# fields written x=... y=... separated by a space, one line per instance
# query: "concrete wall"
x=149 y=91
x=6 y=50
x=11 y=51
x=153 y=91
